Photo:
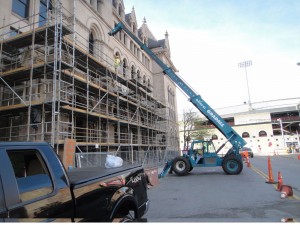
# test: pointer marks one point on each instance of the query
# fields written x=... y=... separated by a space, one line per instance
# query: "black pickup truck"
x=34 y=186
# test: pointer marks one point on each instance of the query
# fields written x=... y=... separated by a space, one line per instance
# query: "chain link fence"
x=148 y=159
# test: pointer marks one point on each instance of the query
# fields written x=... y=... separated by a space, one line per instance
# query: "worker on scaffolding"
x=117 y=62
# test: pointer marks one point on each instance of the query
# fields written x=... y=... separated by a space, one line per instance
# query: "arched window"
x=133 y=27
x=120 y=10
x=149 y=82
x=114 y=3
x=125 y=39
x=138 y=75
x=214 y=137
x=169 y=90
x=124 y=67
x=131 y=46
x=163 y=138
x=132 y=72
x=144 y=80
x=245 y=135
x=138 y=53
x=262 y=133
x=91 y=43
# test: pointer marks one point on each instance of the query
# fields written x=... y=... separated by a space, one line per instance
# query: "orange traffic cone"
x=284 y=220
x=286 y=191
x=248 y=162
x=271 y=179
x=280 y=181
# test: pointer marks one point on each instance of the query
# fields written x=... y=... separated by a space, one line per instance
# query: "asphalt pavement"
x=209 y=195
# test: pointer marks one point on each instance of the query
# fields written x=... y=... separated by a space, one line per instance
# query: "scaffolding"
x=54 y=87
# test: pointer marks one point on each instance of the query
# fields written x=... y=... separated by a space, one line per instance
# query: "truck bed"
x=82 y=175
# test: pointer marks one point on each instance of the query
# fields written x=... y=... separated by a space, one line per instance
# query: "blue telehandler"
x=201 y=152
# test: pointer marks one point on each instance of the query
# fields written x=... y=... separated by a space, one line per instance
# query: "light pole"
x=298 y=138
x=298 y=108
x=246 y=64
x=281 y=128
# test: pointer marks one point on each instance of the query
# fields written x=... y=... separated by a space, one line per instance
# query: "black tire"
x=232 y=165
x=191 y=169
x=121 y=218
x=181 y=166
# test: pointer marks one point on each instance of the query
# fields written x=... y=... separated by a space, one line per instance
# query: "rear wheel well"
x=125 y=208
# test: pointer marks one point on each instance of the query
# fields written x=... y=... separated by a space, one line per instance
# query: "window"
x=138 y=76
x=91 y=44
x=214 y=137
x=245 y=135
x=133 y=72
x=171 y=96
x=115 y=3
x=43 y=12
x=31 y=173
x=21 y=7
x=125 y=39
x=262 y=133
x=120 y=10
x=131 y=46
x=124 y=67
x=134 y=28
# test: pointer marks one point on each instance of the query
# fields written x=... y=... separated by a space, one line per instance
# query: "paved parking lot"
x=209 y=195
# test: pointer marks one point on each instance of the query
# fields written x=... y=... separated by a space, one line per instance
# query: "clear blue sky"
x=209 y=38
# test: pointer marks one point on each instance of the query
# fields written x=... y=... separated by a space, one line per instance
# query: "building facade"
x=65 y=81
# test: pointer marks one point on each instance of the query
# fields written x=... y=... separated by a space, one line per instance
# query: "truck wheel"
x=181 y=166
x=121 y=218
x=232 y=165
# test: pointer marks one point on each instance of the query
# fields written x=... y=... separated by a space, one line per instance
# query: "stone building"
x=65 y=81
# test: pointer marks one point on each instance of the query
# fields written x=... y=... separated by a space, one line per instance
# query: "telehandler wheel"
x=181 y=166
x=232 y=165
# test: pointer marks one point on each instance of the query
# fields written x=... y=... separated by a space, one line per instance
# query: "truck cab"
x=35 y=187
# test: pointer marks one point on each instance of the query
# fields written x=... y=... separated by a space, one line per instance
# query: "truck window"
x=210 y=147
x=31 y=173
x=198 y=146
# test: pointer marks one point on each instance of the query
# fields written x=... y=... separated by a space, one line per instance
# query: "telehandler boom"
x=232 y=161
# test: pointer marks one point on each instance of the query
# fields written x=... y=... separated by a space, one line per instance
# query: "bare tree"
x=193 y=126
x=189 y=117
x=200 y=129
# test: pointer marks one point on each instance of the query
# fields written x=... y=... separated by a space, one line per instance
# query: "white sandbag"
x=113 y=161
